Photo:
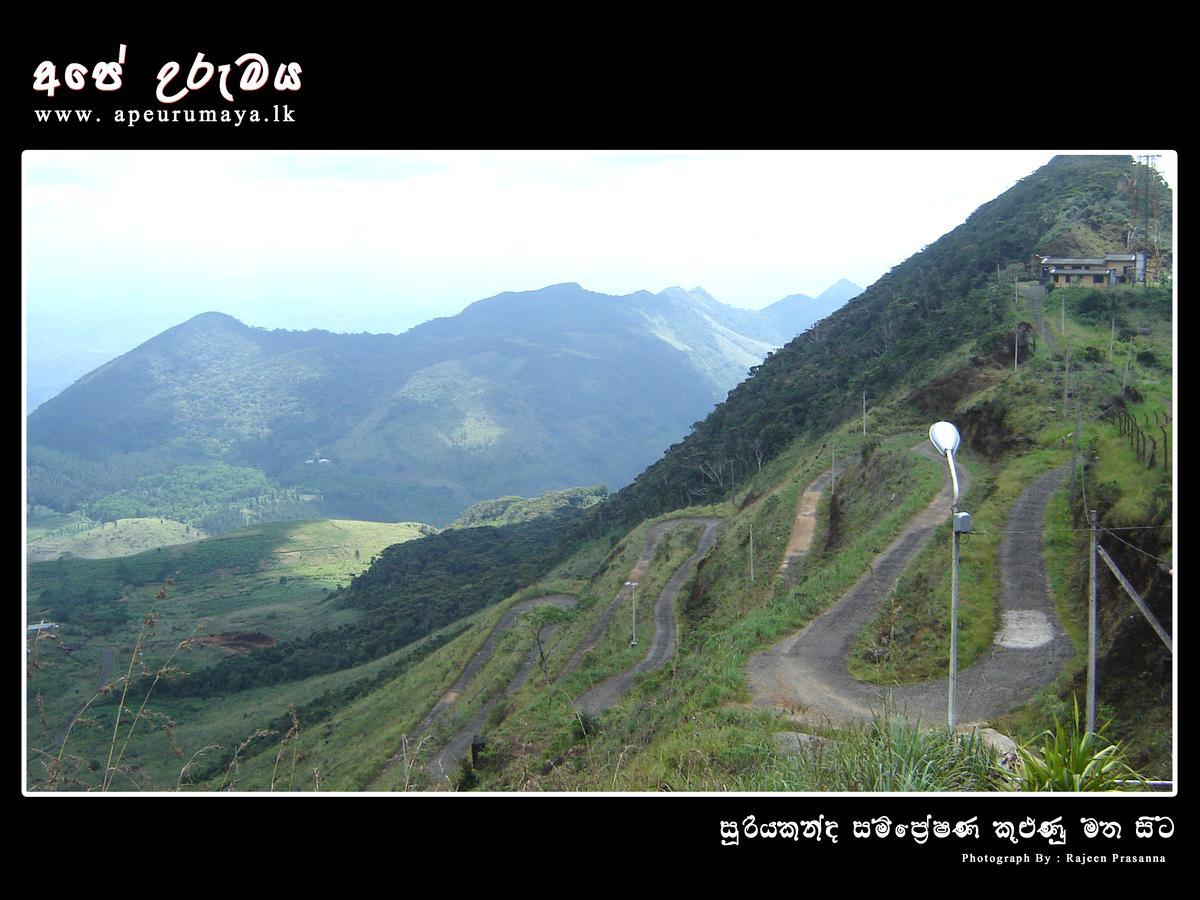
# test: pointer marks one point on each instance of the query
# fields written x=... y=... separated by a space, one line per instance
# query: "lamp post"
x=633 y=635
x=945 y=439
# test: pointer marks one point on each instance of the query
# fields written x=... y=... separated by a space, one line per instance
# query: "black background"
x=469 y=84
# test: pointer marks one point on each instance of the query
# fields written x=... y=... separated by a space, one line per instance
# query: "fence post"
x=1075 y=449
x=1091 y=665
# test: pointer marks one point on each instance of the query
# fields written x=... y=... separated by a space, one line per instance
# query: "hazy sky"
x=120 y=245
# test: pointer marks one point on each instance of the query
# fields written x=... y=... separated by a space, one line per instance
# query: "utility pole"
x=833 y=485
x=1091 y=668
x=633 y=636
x=1016 y=346
x=953 y=704
x=752 y=553
x=1152 y=189
x=1125 y=380
x=1066 y=378
x=864 y=413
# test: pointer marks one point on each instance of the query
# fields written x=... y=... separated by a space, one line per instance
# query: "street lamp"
x=633 y=634
x=945 y=439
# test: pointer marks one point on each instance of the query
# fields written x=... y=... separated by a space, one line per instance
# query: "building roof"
x=1088 y=261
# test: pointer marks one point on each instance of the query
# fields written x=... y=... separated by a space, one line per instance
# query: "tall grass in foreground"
x=894 y=755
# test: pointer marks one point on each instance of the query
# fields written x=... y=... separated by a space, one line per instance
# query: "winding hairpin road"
x=653 y=537
x=608 y=692
x=604 y=695
x=443 y=764
x=806 y=673
x=482 y=655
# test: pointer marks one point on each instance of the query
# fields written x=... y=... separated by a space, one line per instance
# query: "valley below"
x=651 y=544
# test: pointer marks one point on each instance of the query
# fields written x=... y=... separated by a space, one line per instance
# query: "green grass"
x=272 y=579
x=42 y=523
x=1126 y=491
x=554 y=713
x=909 y=641
x=892 y=755
x=677 y=729
x=682 y=727
x=1066 y=568
x=613 y=653
x=124 y=537
x=701 y=680
x=351 y=748
x=1116 y=469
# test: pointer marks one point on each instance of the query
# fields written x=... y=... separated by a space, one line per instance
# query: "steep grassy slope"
x=351 y=747
x=1028 y=410
x=1132 y=492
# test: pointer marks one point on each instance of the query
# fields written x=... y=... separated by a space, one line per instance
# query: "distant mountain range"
x=798 y=312
x=213 y=421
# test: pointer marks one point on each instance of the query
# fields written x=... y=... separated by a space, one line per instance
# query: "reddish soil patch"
x=238 y=641
x=805 y=524
x=944 y=394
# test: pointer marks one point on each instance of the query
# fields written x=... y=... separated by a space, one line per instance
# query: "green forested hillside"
x=894 y=335
x=223 y=425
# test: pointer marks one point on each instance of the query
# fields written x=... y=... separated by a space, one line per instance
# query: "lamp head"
x=944 y=437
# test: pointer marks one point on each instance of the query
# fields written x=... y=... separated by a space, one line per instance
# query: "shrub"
x=1075 y=760
x=467 y=779
x=586 y=725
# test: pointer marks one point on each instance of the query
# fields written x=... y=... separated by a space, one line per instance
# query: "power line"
x=1066 y=530
x=1139 y=527
x=1165 y=562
